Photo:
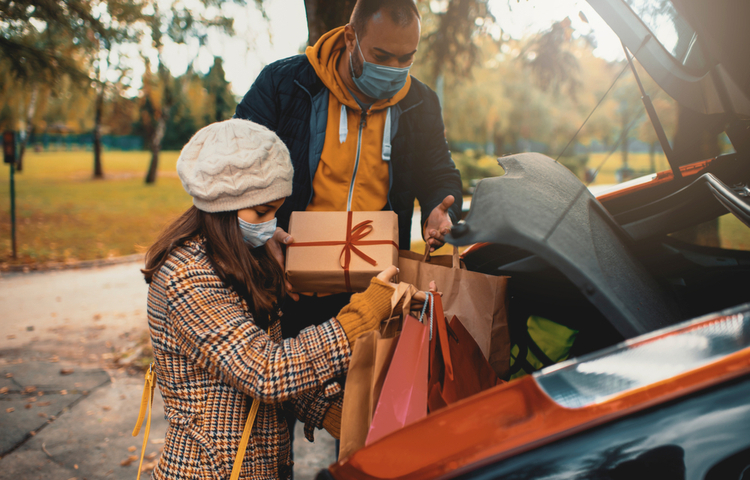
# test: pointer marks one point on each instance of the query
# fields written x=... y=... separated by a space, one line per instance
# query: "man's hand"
x=438 y=224
x=274 y=245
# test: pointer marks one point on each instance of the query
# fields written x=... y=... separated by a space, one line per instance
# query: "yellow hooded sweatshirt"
x=353 y=171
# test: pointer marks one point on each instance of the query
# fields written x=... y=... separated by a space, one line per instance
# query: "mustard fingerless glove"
x=366 y=310
x=332 y=421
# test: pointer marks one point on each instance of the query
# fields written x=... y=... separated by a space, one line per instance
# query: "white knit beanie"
x=235 y=164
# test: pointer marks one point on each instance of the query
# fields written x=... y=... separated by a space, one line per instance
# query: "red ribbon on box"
x=354 y=238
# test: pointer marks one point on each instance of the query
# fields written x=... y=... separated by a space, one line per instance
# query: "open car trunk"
x=611 y=277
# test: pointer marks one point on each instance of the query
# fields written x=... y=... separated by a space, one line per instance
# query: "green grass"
x=733 y=234
x=639 y=162
x=64 y=215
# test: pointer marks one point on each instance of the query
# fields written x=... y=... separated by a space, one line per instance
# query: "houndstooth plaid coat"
x=212 y=360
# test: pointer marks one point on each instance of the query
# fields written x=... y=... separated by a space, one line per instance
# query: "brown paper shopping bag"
x=371 y=359
x=367 y=368
x=479 y=300
x=457 y=367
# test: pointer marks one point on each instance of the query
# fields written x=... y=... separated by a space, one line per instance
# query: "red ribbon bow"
x=354 y=238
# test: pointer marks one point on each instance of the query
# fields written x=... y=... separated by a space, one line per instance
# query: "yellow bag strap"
x=147 y=399
x=245 y=437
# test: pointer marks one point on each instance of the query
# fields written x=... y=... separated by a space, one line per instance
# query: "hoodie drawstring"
x=343 y=128
x=344 y=131
x=387 y=137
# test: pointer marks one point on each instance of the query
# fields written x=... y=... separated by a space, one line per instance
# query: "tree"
x=325 y=15
x=629 y=112
x=41 y=43
x=220 y=100
x=181 y=25
x=450 y=36
x=666 y=110
x=120 y=21
x=550 y=58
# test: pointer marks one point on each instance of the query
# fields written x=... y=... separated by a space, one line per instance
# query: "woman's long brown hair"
x=252 y=272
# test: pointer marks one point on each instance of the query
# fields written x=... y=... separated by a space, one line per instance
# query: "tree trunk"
x=98 y=173
x=161 y=128
x=325 y=15
x=652 y=155
x=30 y=110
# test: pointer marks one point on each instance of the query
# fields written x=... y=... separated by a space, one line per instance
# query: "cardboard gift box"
x=337 y=252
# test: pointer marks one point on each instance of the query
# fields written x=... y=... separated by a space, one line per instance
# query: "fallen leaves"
x=128 y=461
x=8 y=375
x=131 y=448
x=66 y=371
x=3 y=390
x=10 y=410
x=157 y=441
x=106 y=408
x=43 y=404
x=10 y=337
x=63 y=392
x=29 y=389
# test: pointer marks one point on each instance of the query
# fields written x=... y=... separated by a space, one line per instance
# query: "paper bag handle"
x=456 y=256
x=403 y=291
x=442 y=328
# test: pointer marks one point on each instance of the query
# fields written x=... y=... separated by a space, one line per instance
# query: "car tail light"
x=645 y=361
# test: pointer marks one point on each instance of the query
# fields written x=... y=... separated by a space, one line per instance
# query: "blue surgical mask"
x=378 y=81
x=257 y=234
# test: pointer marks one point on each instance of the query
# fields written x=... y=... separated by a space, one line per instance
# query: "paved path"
x=67 y=406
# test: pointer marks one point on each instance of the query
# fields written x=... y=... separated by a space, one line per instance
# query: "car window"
x=726 y=231
x=670 y=29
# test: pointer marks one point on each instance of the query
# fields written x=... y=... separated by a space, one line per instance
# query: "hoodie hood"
x=324 y=57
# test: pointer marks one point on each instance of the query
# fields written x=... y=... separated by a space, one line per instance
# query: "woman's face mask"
x=378 y=81
x=257 y=234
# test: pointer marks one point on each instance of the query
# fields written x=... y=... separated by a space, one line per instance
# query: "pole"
x=13 y=209
x=9 y=157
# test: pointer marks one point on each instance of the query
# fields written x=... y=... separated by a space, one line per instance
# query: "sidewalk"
x=67 y=407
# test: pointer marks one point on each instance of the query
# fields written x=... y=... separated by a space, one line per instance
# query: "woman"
x=214 y=319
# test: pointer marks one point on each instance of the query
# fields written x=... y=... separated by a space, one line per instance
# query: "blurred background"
x=103 y=94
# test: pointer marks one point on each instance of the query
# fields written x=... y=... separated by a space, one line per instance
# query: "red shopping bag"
x=458 y=369
x=403 y=398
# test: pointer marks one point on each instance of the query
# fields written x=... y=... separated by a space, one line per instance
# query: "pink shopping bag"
x=403 y=399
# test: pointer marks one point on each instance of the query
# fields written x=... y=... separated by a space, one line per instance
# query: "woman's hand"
x=280 y=237
x=417 y=300
x=388 y=274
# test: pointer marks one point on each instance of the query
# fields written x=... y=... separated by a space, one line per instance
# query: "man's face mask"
x=378 y=81
x=257 y=234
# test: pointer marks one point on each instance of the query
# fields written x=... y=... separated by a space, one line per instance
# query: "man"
x=363 y=135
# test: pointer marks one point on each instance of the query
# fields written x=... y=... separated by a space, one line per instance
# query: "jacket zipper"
x=362 y=123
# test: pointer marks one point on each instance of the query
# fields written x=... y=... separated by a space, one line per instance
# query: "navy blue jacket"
x=290 y=99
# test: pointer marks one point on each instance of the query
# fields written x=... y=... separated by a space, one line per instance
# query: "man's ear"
x=349 y=38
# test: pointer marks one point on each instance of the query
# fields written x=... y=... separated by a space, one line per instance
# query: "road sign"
x=9 y=147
